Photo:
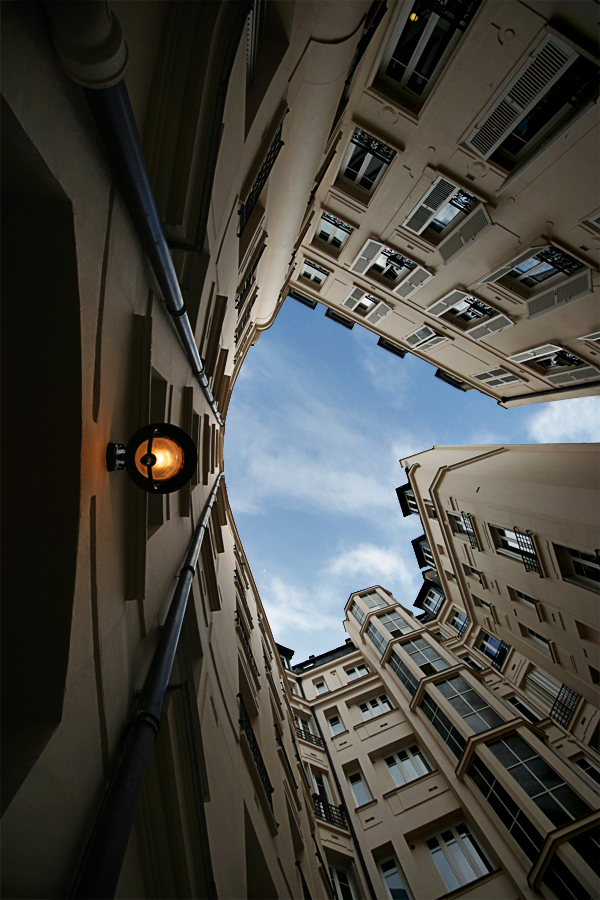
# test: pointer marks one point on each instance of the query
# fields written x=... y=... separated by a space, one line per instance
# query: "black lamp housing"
x=119 y=456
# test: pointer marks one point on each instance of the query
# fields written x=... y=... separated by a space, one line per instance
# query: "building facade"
x=435 y=773
x=437 y=222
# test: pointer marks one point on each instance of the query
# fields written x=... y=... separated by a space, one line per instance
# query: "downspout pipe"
x=359 y=852
x=100 y=868
x=96 y=36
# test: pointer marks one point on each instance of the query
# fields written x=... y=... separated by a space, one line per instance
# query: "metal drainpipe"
x=110 y=106
x=550 y=391
x=359 y=853
x=100 y=868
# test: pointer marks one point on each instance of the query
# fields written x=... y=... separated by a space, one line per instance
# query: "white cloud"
x=576 y=420
x=373 y=562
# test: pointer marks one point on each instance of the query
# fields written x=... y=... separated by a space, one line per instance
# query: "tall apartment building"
x=433 y=774
x=109 y=328
x=456 y=212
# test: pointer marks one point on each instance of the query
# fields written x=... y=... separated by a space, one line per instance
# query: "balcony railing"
x=240 y=625
x=311 y=738
x=500 y=657
x=246 y=208
x=281 y=746
x=528 y=551
x=246 y=726
x=564 y=705
x=328 y=812
x=469 y=530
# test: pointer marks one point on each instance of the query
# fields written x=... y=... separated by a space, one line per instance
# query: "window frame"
x=315 y=283
x=516 y=701
x=399 y=764
x=595 y=780
x=380 y=700
x=343 y=728
x=398 y=631
x=336 y=225
x=438 y=836
x=357 y=774
x=399 y=872
x=441 y=192
x=564 y=557
x=474 y=714
x=355 y=668
x=379 y=150
x=317 y=684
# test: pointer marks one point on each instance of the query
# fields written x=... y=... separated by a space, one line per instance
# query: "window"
x=357 y=672
x=376 y=706
x=525 y=711
x=458 y=857
x=557 y=699
x=440 y=635
x=357 y=612
x=394 y=623
x=547 y=789
x=558 y=366
x=333 y=231
x=393 y=880
x=366 y=160
x=493 y=648
x=403 y=672
x=546 y=276
x=367 y=306
x=444 y=727
x=407 y=765
x=590 y=768
x=336 y=725
x=549 y=90
x=432 y=601
x=246 y=208
x=458 y=620
x=373 y=600
x=390 y=268
x=407 y=500
x=518 y=544
x=424 y=338
x=376 y=638
x=359 y=789
x=341 y=883
x=425 y=656
x=321 y=784
x=320 y=687
x=524 y=598
x=303 y=725
x=472 y=663
x=420 y=46
x=529 y=632
x=483 y=604
x=313 y=272
x=579 y=567
x=476 y=712
x=423 y=552
x=443 y=206
x=496 y=377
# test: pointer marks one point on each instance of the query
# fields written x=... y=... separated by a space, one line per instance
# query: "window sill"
x=458 y=892
x=401 y=787
x=366 y=805
x=307 y=282
x=339 y=734
x=374 y=718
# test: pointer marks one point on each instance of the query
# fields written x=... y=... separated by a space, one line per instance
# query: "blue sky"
x=319 y=418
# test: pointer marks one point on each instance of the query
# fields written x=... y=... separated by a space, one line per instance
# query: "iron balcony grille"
x=246 y=727
x=527 y=551
x=311 y=738
x=242 y=325
x=285 y=756
x=250 y=279
x=240 y=625
x=241 y=588
x=462 y=627
x=457 y=12
x=245 y=210
x=564 y=705
x=500 y=657
x=328 y=812
x=469 y=530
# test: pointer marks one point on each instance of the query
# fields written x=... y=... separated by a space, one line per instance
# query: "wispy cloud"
x=575 y=420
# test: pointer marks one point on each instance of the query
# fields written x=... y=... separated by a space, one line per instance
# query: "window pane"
x=357 y=158
x=444 y=867
x=373 y=169
x=396 y=772
x=462 y=863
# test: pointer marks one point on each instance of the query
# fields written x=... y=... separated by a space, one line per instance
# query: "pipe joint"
x=89 y=41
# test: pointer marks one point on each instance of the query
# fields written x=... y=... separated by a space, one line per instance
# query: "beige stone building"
x=158 y=162
x=457 y=213
x=435 y=773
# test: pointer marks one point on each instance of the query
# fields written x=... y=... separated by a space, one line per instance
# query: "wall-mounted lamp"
x=414 y=17
x=159 y=458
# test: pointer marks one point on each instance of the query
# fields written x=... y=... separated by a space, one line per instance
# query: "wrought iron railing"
x=240 y=625
x=527 y=551
x=246 y=726
x=564 y=705
x=249 y=278
x=461 y=627
x=308 y=736
x=469 y=530
x=279 y=740
x=245 y=210
x=328 y=812
x=500 y=657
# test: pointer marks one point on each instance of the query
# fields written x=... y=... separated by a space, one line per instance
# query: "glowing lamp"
x=413 y=17
x=159 y=458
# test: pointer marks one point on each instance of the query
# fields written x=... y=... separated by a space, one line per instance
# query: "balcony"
x=500 y=657
x=242 y=630
x=327 y=812
x=564 y=705
x=528 y=552
x=246 y=726
x=469 y=531
x=311 y=738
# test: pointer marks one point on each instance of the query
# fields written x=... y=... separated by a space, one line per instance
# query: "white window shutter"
x=581 y=374
x=425 y=210
x=595 y=337
x=574 y=288
x=473 y=227
x=543 y=68
x=413 y=281
x=354 y=298
x=492 y=326
x=418 y=337
x=535 y=353
x=497 y=376
x=448 y=302
x=366 y=257
x=380 y=312
x=509 y=266
x=432 y=342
